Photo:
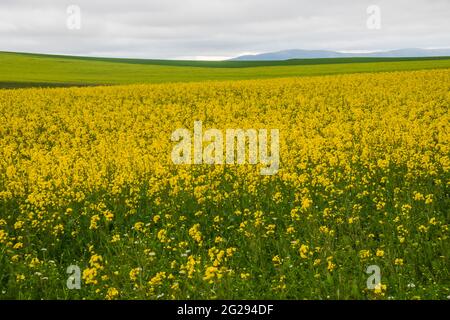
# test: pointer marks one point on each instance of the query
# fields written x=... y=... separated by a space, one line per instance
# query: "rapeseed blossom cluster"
x=86 y=178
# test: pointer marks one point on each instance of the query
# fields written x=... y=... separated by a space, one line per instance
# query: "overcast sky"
x=214 y=29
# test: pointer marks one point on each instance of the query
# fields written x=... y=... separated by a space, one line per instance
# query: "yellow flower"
x=231 y=251
x=276 y=260
x=380 y=289
x=175 y=286
x=108 y=215
x=423 y=229
x=134 y=273
x=157 y=279
x=380 y=253
x=190 y=266
x=306 y=203
x=363 y=254
x=162 y=236
x=398 y=262
x=94 y=222
x=89 y=276
x=277 y=197
x=3 y=236
x=18 y=225
x=112 y=293
x=330 y=265
x=304 y=251
x=290 y=230
x=20 y=277
x=418 y=196
x=211 y=273
x=96 y=261
x=245 y=276
x=138 y=226
x=34 y=263
x=324 y=229
x=195 y=233
x=18 y=245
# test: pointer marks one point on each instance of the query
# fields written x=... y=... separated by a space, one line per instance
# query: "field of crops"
x=86 y=179
x=34 y=70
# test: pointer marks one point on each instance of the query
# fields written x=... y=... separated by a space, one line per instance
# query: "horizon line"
x=213 y=58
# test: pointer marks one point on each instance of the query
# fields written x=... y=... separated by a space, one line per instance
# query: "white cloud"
x=219 y=28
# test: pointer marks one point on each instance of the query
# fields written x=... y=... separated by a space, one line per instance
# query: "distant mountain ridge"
x=314 y=54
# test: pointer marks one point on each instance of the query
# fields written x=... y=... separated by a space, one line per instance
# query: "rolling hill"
x=37 y=70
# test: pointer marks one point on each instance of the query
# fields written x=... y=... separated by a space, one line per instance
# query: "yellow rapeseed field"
x=86 y=180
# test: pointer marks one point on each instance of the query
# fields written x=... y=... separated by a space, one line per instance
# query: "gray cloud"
x=219 y=28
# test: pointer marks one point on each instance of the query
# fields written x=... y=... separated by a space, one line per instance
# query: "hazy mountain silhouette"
x=313 y=54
